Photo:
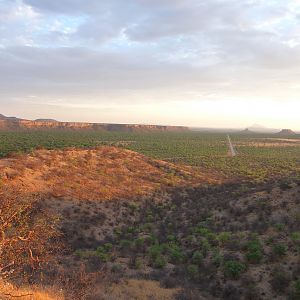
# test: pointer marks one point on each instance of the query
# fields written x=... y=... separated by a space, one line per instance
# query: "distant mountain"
x=2 y=117
x=286 y=132
x=262 y=129
x=15 y=124
x=247 y=131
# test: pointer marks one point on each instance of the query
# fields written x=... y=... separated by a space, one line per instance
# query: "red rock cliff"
x=16 y=125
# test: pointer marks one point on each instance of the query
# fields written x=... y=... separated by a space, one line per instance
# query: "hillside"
x=110 y=222
x=94 y=174
x=49 y=194
x=15 y=124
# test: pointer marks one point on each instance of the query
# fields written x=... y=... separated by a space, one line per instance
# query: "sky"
x=206 y=63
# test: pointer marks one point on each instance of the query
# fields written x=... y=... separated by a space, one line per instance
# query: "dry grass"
x=9 y=291
x=139 y=290
x=270 y=142
x=100 y=174
x=25 y=229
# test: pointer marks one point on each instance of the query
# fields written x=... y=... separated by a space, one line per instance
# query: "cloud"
x=101 y=76
x=149 y=50
x=67 y=6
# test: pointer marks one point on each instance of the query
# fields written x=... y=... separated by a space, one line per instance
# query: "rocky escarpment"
x=20 y=124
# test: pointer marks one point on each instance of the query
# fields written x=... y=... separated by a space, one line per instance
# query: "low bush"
x=125 y=244
x=224 y=237
x=159 y=262
x=102 y=254
x=279 y=249
x=193 y=272
x=155 y=251
x=295 y=236
x=295 y=293
x=254 y=252
x=138 y=263
x=197 y=258
x=233 y=269
x=279 y=227
x=216 y=258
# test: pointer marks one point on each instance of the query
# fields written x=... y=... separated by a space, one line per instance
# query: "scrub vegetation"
x=160 y=216
x=260 y=157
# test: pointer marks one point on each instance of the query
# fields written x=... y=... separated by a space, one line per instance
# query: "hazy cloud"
x=149 y=50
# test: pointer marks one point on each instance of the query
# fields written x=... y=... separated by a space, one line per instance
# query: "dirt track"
x=231 y=148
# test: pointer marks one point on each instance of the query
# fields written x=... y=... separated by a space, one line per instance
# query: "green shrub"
x=139 y=242
x=150 y=218
x=279 y=249
x=197 y=257
x=131 y=229
x=100 y=249
x=108 y=247
x=117 y=231
x=279 y=227
x=212 y=237
x=80 y=253
x=125 y=244
x=269 y=240
x=175 y=253
x=254 y=252
x=205 y=247
x=159 y=262
x=102 y=254
x=138 y=263
x=155 y=251
x=193 y=272
x=296 y=290
x=152 y=239
x=295 y=236
x=170 y=226
x=224 y=237
x=148 y=227
x=233 y=269
x=171 y=238
x=217 y=258
x=132 y=206
x=191 y=238
x=202 y=231
x=104 y=257
x=296 y=239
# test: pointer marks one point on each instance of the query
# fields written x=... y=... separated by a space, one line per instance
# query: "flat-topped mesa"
x=286 y=132
x=45 y=120
x=17 y=125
